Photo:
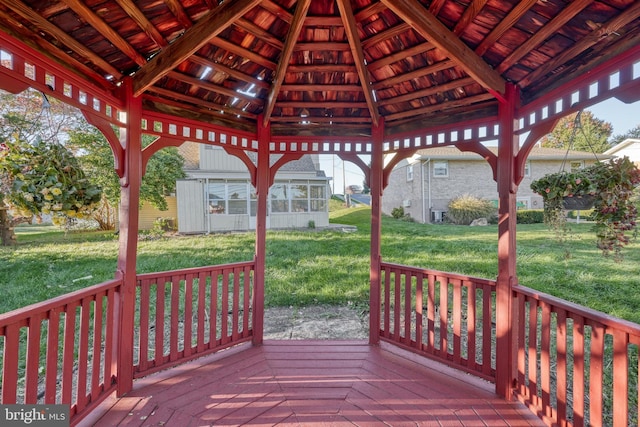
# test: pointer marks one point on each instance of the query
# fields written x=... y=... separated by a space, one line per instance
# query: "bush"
x=532 y=216
x=464 y=209
x=398 y=212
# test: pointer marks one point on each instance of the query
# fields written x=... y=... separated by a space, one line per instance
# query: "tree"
x=632 y=133
x=580 y=131
x=163 y=170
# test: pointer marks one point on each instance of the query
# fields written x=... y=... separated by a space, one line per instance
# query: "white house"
x=424 y=184
x=630 y=147
x=217 y=194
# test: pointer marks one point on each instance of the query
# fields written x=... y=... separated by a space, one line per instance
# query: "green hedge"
x=530 y=216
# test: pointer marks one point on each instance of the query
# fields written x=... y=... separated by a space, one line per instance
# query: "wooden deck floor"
x=312 y=383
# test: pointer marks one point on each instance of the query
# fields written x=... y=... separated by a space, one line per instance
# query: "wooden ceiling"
x=327 y=66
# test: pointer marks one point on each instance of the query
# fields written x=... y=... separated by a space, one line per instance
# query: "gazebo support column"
x=131 y=137
x=376 y=184
x=262 y=185
x=507 y=150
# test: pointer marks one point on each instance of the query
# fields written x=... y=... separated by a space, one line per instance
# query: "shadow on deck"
x=311 y=382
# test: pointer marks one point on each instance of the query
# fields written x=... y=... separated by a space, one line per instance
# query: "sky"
x=623 y=117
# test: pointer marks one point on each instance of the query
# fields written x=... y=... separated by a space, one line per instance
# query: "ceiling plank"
x=453 y=84
x=396 y=30
x=545 y=32
x=443 y=106
x=403 y=54
x=433 y=30
x=105 y=29
x=292 y=36
x=610 y=28
x=136 y=14
x=209 y=26
x=351 y=30
x=322 y=68
x=42 y=24
x=321 y=88
x=245 y=54
x=259 y=32
x=324 y=104
x=322 y=46
x=509 y=21
x=420 y=72
x=200 y=102
x=277 y=10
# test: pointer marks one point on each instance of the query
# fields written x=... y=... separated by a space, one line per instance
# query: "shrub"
x=398 y=213
x=464 y=209
x=526 y=216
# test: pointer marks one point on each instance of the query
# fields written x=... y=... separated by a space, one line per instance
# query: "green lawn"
x=329 y=267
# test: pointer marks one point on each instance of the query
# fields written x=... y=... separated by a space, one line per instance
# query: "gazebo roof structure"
x=327 y=67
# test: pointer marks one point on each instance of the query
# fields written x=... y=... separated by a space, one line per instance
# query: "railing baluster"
x=578 y=372
x=387 y=302
x=159 y=321
x=174 y=282
x=596 y=375
x=471 y=325
x=213 y=315
x=68 y=350
x=246 y=275
x=431 y=313
x=143 y=310
x=97 y=345
x=188 y=314
x=407 y=308
x=83 y=352
x=561 y=389
x=487 y=329
x=33 y=358
x=202 y=281
x=457 y=320
x=419 y=309
x=10 y=364
x=444 y=316
x=236 y=305
x=620 y=379
x=51 y=374
x=225 y=306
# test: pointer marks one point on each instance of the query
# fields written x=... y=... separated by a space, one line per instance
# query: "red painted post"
x=262 y=190
x=507 y=151
x=131 y=136
x=377 y=165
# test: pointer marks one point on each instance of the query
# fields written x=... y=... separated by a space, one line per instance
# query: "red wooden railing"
x=576 y=366
x=62 y=350
x=445 y=316
x=185 y=314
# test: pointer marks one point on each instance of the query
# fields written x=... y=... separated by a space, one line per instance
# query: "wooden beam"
x=243 y=53
x=277 y=10
x=322 y=68
x=351 y=30
x=178 y=11
x=468 y=16
x=506 y=23
x=199 y=83
x=42 y=24
x=209 y=26
x=200 y=102
x=609 y=28
x=545 y=32
x=230 y=71
x=453 y=84
x=403 y=54
x=322 y=47
x=396 y=30
x=420 y=72
x=82 y=10
x=443 y=106
x=321 y=88
x=278 y=79
x=140 y=18
x=323 y=104
x=433 y=30
x=259 y=32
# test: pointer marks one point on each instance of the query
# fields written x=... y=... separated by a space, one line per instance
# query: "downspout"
x=206 y=204
x=426 y=201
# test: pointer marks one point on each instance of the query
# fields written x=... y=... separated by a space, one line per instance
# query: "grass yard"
x=327 y=266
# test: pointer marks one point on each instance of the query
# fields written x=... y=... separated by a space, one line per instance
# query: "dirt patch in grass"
x=315 y=322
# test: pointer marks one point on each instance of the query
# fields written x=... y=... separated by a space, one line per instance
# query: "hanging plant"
x=45 y=178
x=609 y=186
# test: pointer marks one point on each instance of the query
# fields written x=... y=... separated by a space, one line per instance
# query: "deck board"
x=312 y=383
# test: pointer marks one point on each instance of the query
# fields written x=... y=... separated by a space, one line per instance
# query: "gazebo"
x=284 y=78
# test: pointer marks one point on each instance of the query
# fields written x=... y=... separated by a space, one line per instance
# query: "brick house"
x=425 y=183
x=217 y=194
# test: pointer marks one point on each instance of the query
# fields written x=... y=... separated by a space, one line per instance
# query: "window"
x=279 y=199
x=441 y=168
x=298 y=196
x=576 y=165
x=527 y=168
x=228 y=198
x=410 y=173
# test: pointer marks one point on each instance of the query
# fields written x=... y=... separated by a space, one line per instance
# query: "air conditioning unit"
x=406 y=203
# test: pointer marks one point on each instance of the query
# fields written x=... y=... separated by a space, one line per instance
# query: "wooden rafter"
x=82 y=10
x=292 y=36
x=322 y=68
x=545 y=32
x=230 y=71
x=45 y=26
x=609 y=28
x=321 y=88
x=259 y=32
x=433 y=30
x=514 y=16
x=178 y=11
x=199 y=83
x=351 y=31
x=459 y=83
x=136 y=14
x=386 y=35
x=468 y=16
x=277 y=10
x=243 y=53
x=434 y=68
x=441 y=106
x=403 y=54
x=200 y=102
x=209 y=26
x=322 y=47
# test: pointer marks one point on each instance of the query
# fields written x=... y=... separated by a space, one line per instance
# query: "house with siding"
x=424 y=184
x=217 y=194
x=630 y=147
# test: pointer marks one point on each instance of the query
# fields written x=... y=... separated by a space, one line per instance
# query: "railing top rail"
x=194 y=270
x=588 y=313
x=44 y=306
x=455 y=276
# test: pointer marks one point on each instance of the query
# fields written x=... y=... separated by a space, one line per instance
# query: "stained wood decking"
x=312 y=383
